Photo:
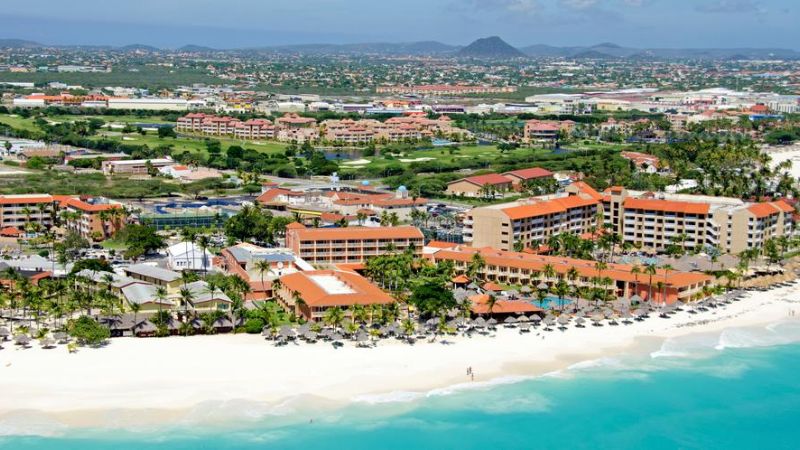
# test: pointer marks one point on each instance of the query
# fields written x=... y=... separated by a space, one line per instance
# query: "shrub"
x=254 y=326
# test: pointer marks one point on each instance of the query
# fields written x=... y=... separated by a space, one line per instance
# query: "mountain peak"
x=491 y=47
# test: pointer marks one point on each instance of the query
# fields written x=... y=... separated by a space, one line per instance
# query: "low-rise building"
x=480 y=186
x=310 y=294
x=329 y=246
x=666 y=286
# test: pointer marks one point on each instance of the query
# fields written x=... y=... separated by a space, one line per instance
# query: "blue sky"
x=249 y=23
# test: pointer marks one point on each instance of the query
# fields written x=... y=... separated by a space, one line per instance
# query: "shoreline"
x=233 y=379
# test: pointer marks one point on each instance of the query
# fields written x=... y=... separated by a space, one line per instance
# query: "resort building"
x=522 y=176
x=692 y=221
x=530 y=222
x=93 y=218
x=526 y=269
x=188 y=256
x=209 y=124
x=146 y=296
x=310 y=294
x=480 y=186
x=155 y=275
x=546 y=130
x=328 y=246
x=444 y=89
x=245 y=261
x=134 y=166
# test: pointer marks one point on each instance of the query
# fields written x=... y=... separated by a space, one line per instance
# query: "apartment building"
x=653 y=222
x=253 y=129
x=532 y=221
x=444 y=89
x=650 y=221
x=94 y=218
x=90 y=219
x=323 y=246
x=525 y=269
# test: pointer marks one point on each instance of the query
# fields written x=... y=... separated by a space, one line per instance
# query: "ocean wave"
x=781 y=333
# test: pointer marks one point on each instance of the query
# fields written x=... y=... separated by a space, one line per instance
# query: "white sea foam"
x=389 y=397
x=781 y=333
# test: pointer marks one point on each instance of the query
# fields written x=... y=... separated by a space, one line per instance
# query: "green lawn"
x=18 y=122
x=186 y=143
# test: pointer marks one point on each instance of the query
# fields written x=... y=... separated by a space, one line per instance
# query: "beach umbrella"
x=336 y=337
x=536 y=318
x=510 y=320
x=525 y=289
x=286 y=332
x=48 y=343
x=542 y=286
x=60 y=336
x=491 y=322
x=597 y=318
x=4 y=333
x=303 y=328
x=480 y=322
x=563 y=320
x=362 y=337
x=22 y=339
x=635 y=298
x=310 y=336
x=521 y=318
x=266 y=331
x=580 y=321
x=524 y=326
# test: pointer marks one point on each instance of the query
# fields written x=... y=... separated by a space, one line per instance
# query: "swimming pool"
x=550 y=302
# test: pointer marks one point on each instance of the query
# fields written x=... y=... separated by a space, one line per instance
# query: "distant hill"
x=191 y=48
x=18 y=43
x=492 y=47
x=610 y=50
x=381 y=48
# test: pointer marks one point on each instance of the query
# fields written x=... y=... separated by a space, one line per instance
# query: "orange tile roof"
x=363 y=292
x=548 y=207
x=584 y=188
x=461 y=279
x=489 y=178
x=4 y=200
x=783 y=206
x=762 y=210
x=531 y=173
x=330 y=234
x=666 y=206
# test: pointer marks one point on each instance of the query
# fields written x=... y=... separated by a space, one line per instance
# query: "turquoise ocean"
x=739 y=389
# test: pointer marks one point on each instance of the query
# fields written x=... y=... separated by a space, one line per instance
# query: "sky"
x=254 y=23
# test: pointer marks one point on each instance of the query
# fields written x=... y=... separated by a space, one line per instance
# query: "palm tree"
x=491 y=302
x=666 y=268
x=561 y=289
x=334 y=317
x=299 y=303
x=186 y=299
x=263 y=267
x=161 y=297
x=135 y=307
x=475 y=266
x=635 y=271
x=650 y=270
x=203 y=241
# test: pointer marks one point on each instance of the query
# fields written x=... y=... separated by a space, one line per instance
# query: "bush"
x=253 y=326
x=88 y=331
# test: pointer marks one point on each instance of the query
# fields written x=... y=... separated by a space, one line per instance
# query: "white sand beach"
x=170 y=375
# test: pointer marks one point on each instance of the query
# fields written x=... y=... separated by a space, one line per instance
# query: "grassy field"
x=18 y=122
x=152 y=77
x=111 y=119
x=187 y=143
